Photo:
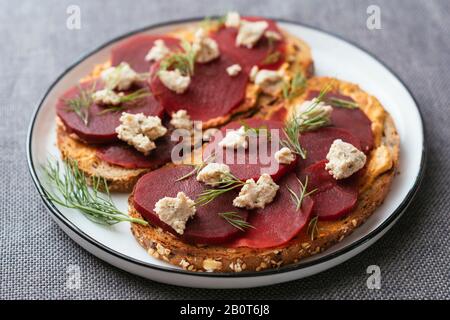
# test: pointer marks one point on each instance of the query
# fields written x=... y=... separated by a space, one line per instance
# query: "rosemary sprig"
x=230 y=182
x=313 y=229
x=183 y=60
x=236 y=220
x=137 y=95
x=294 y=87
x=343 y=103
x=74 y=194
x=81 y=103
x=302 y=193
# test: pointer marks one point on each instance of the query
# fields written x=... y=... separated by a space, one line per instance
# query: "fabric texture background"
x=35 y=255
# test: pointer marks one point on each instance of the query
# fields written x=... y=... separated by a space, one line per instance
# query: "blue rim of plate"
x=288 y=268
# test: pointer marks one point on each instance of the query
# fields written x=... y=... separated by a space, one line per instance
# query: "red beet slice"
x=333 y=198
x=354 y=121
x=317 y=143
x=134 y=50
x=279 y=222
x=122 y=155
x=255 y=162
x=226 y=39
x=101 y=127
x=212 y=93
x=207 y=226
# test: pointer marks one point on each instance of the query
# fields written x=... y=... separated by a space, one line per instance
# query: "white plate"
x=333 y=57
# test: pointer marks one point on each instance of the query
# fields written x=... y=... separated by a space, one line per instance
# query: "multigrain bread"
x=374 y=186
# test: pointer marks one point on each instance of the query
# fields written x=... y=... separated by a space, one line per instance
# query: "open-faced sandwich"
x=236 y=157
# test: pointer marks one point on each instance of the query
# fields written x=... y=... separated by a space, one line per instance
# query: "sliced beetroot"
x=207 y=226
x=280 y=221
x=122 y=155
x=354 y=121
x=134 y=50
x=317 y=143
x=212 y=93
x=253 y=161
x=333 y=198
x=226 y=39
x=101 y=126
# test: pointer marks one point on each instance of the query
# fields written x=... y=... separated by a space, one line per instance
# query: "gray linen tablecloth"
x=36 y=47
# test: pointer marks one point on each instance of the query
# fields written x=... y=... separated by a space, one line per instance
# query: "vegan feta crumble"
x=234 y=139
x=234 y=70
x=107 y=97
x=120 y=78
x=205 y=48
x=213 y=173
x=181 y=120
x=256 y=195
x=158 y=51
x=344 y=159
x=140 y=131
x=175 y=211
x=270 y=81
x=232 y=20
x=174 y=80
x=250 y=32
x=284 y=156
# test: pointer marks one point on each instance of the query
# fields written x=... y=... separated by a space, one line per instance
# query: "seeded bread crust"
x=119 y=179
x=167 y=247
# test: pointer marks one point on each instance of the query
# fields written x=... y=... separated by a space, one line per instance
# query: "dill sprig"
x=273 y=54
x=304 y=122
x=313 y=229
x=294 y=87
x=228 y=183
x=137 y=95
x=301 y=194
x=81 y=103
x=182 y=60
x=343 y=103
x=210 y=23
x=236 y=220
x=74 y=194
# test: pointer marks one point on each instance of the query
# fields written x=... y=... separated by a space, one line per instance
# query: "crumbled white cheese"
x=205 y=48
x=158 y=51
x=107 y=97
x=233 y=20
x=174 y=80
x=213 y=173
x=234 y=139
x=344 y=159
x=256 y=195
x=250 y=32
x=284 y=156
x=181 y=120
x=234 y=70
x=270 y=81
x=175 y=211
x=209 y=133
x=140 y=131
x=253 y=72
x=273 y=35
x=120 y=77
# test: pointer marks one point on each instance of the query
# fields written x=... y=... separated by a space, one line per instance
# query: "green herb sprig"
x=228 y=183
x=273 y=55
x=75 y=194
x=182 y=60
x=129 y=98
x=294 y=87
x=256 y=131
x=210 y=23
x=197 y=167
x=301 y=194
x=236 y=220
x=343 y=103
x=81 y=103
x=313 y=229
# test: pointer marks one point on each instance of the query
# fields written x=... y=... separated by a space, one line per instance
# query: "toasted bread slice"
x=168 y=247
x=118 y=178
